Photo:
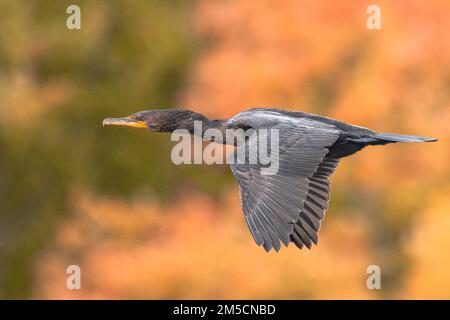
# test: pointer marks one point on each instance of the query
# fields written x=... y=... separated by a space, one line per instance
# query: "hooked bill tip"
x=114 y=121
x=105 y=122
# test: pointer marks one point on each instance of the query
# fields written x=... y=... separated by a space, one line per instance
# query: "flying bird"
x=288 y=206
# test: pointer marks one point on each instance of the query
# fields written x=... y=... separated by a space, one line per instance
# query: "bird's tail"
x=392 y=137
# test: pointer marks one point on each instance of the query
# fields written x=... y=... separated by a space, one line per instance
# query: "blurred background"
x=111 y=201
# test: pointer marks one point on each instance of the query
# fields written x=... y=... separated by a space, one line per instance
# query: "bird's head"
x=164 y=120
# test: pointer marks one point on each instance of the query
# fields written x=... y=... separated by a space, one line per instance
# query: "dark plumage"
x=290 y=205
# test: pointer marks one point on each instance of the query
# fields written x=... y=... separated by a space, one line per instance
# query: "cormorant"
x=288 y=206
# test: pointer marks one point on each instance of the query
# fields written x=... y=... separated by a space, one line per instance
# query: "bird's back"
x=342 y=126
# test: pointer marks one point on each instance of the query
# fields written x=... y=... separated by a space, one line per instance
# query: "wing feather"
x=289 y=205
x=316 y=203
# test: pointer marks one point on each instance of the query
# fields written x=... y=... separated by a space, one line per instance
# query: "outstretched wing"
x=274 y=205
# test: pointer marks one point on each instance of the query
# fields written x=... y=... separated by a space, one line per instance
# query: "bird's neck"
x=200 y=126
x=193 y=122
